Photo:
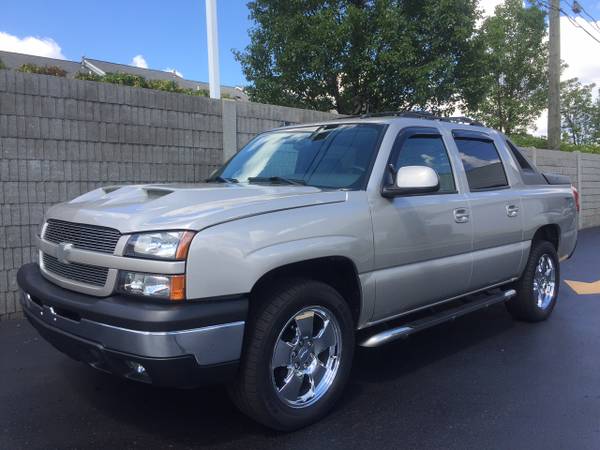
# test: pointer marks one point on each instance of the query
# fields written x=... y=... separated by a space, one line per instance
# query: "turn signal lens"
x=184 y=245
x=177 y=288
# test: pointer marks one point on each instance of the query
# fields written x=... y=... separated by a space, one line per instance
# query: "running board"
x=409 y=328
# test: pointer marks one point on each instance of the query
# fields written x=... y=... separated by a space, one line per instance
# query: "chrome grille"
x=82 y=236
x=82 y=273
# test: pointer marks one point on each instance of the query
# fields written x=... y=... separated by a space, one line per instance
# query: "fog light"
x=138 y=372
x=136 y=367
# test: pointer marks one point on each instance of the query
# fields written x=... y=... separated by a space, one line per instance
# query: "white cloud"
x=139 y=61
x=31 y=45
x=174 y=71
x=580 y=51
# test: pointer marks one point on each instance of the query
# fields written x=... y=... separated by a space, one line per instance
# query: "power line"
x=578 y=8
x=571 y=19
x=594 y=21
x=577 y=25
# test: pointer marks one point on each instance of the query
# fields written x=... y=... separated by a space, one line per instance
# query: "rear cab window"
x=521 y=160
x=481 y=161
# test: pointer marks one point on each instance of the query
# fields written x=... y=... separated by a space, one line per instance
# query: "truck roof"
x=409 y=118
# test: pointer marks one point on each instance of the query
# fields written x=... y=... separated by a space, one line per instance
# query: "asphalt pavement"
x=481 y=382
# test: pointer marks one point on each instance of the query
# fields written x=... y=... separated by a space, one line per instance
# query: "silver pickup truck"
x=310 y=240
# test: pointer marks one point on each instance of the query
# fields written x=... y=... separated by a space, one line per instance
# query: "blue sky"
x=169 y=34
x=172 y=34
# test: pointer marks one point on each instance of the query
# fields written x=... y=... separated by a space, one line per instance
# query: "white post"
x=212 y=38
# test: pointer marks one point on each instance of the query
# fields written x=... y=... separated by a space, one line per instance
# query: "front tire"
x=298 y=354
x=537 y=289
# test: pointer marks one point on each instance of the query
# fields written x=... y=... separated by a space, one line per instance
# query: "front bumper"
x=177 y=345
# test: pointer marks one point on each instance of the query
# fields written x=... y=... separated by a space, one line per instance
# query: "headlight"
x=170 y=245
x=167 y=287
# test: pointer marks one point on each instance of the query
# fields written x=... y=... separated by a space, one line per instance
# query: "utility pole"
x=554 y=76
x=212 y=39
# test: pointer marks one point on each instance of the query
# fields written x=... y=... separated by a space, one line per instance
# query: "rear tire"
x=299 y=346
x=537 y=289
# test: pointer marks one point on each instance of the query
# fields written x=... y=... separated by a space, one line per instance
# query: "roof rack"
x=424 y=115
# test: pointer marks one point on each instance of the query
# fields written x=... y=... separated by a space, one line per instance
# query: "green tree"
x=577 y=111
x=516 y=59
x=358 y=56
x=595 y=121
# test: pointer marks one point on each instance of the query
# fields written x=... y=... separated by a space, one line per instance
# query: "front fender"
x=230 y=258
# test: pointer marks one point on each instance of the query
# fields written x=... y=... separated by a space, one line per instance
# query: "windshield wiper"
x=220 y=179
x=277 y=180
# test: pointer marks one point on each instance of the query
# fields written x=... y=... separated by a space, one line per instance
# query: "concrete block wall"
x=584 y=171
x=590 y=188
x=253 y=118
x=60 y=138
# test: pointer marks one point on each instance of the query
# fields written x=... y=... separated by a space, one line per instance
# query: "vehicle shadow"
x=206 y=417
x=404 y=356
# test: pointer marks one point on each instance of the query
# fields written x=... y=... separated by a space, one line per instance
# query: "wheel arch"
x=338 y=271
x=550 y=233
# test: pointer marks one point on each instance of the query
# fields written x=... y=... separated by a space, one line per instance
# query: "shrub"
x=164 y=85
x=2 y=66
x=87 y=76
x=127 y=79
x=526 y=140
x=43 y=70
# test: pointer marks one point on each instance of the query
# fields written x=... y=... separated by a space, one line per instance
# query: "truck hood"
x=135 y=208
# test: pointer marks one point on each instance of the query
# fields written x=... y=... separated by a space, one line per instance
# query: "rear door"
x=422 y=242
x=496 y=210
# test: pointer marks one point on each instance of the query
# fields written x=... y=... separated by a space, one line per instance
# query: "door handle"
x=461 y=215
x=512 y=210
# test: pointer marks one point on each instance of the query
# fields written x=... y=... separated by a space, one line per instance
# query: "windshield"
x=331 y=156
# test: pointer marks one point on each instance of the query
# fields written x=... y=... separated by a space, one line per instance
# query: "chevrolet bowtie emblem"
x=62 y=252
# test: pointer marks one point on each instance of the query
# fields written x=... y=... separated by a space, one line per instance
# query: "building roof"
x=153 y=74
x=16 y=60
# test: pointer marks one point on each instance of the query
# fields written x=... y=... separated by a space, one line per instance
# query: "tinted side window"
x=482 y=164
x=428 y=150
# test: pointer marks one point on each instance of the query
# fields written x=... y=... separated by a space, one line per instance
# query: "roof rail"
x=413 y=114
x=462 y=119
x=424 y=115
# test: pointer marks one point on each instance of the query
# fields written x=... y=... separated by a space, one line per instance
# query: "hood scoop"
x=109 y=189
x=123 y=195
x=154 y=193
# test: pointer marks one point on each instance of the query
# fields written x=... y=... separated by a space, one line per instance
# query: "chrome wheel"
x=544 y=281
x=306 y=357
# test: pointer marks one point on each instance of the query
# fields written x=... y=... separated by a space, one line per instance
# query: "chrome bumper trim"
x=209 y=345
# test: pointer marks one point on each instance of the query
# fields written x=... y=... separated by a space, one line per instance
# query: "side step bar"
x=409 y=328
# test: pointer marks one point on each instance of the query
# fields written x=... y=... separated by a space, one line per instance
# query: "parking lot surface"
x=482 y=381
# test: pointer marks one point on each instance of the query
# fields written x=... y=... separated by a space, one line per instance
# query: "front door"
x=422 y=242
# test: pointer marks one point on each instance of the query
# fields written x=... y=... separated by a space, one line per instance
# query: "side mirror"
x=411 y=180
